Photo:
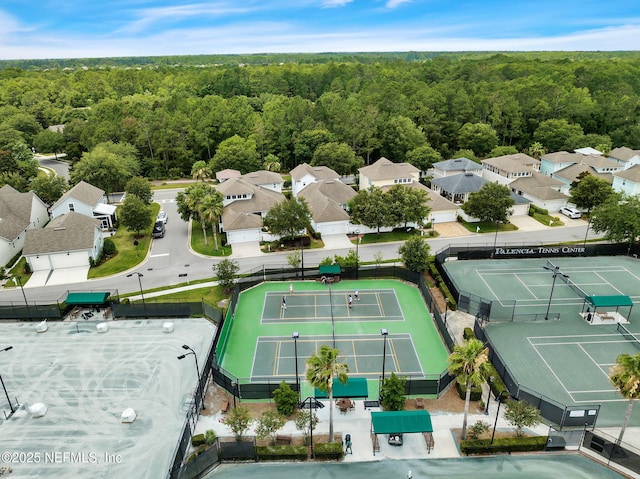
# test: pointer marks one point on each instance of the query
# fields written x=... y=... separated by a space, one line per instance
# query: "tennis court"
x=259 y=345
x=566 y=358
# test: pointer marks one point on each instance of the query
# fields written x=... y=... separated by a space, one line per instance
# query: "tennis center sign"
x=538 y=251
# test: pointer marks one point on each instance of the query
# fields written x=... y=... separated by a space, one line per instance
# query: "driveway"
x=77 y=274
x=337 y=242
x=246 y=250
x=38 y=278
x=451 y=229
x=527 y=223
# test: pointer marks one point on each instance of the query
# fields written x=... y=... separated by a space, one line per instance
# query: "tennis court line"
x=527 y=287
x=592 y=360
x=487 y=284
x=603 y=279
x=550 y=369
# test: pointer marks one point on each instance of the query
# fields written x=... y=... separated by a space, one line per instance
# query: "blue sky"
x=99 y=28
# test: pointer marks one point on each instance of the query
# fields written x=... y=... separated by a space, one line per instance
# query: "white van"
x=570 y=212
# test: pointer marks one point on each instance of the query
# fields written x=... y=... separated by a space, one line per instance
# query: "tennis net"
x=628 y=335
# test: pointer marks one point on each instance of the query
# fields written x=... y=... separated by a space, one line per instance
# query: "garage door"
x=40 y=263
x=64 y=260
x=333 y=228
x=443 y=216
x=243 y=236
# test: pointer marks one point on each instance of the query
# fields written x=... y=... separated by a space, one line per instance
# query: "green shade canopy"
x=391 y=422
x=86 y=299
x=609 y=301
x=330 y=269
x=355 y=388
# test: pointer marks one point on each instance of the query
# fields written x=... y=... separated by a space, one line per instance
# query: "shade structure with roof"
x=87 y=298
x=401 y=422
x=607 y=307
x=354 y=388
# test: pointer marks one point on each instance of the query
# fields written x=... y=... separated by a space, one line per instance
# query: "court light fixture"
x=140 y=275
x=499 y=399
x=357 y=243
x=8 y=348
x=384 y=334
x=199 y=391
x=556 y=271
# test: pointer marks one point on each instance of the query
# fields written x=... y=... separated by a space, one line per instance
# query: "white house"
x=385 y=172
x=86 y=200
x=68 y=241
x=625 y=156
x=19 y=212
x=628 y=181
x=265 y=179
x=327 y=200
x=244 y=207
x=304 y=174
x=543 y=191
x=504 y=169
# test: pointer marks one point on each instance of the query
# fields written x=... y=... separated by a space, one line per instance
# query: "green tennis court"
x=259 y=344
x=567 y=360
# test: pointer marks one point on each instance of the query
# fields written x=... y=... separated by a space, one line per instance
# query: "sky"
x=31 y=29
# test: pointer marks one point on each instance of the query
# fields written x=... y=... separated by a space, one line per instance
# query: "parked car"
x=158 y=230
x=570 y=212
x=162 y=216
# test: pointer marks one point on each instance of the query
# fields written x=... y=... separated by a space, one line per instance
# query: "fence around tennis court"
x=556 y=413
x=244 y=388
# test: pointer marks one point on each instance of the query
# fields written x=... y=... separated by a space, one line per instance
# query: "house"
x=19 y=212
x=69 y=240
x=265 y=179
x=628 y=181
x=454 y=167
x=552 y=163
x=598 y=166
x=457 y=188
x=227 y=174
x=327 y=200
x=304 y=174
x=86 y=200
x=244 y=207
x=625 y=156
x=504 y=169
x=385 y=172
x=543 y=191
x=442 y=210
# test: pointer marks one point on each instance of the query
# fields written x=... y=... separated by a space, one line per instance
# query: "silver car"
x=163 y=217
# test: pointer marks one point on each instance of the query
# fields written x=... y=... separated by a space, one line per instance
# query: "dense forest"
x=249 y=112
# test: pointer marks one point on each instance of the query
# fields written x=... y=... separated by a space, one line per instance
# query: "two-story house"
x=304 y=174
x=265 y=179
x=385 y=172
x=625 y=156
x=86 y=200
x=504 y=169
x=327 y=201
x=627 y=181
x=455 y=166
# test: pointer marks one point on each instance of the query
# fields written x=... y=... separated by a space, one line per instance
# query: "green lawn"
x=395 y=235
x=547 y=220
x=197 y=241
x=488 y=227
x=211 y=294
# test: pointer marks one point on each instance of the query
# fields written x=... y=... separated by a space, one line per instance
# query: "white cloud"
x=396 y=3
x=335 y=3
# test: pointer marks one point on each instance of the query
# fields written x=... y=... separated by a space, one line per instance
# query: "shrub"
x=279 y=453
x=328 y=450
x=286 y=399
x=479 y=428
x=476 y=392
x=198 y=440
x=468 y=334
x=108 y=247
x=510 y=444
x=210 y=437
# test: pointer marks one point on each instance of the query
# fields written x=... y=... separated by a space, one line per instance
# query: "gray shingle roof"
x=84 y=192
x=235 y=219
x=69 y=232
x=623 y=153
x=631 y=174
x=571 y=173
x=436 y=201
x=539 y=185
x=226 y=174
x=458 y=164
x=236 y=186
x=334 y=189
x=323 y=202
x=459 y=184
x=15 y=212
x=263 y=177
x=261 y=200
x=512 y=163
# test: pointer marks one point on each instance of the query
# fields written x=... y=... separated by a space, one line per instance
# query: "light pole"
x=4 y=387
x=486 y=411
x=19 y=280
x=357 y=243
x=499 y=399
x=295 y=335
x=384 y=334
x=302 y=257
x=140 y=275
x=195 y=356
x=556 y=271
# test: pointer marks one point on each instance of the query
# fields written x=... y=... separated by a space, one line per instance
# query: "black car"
x=158 y=230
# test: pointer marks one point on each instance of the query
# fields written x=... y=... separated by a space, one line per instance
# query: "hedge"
x=198 y=440
x=508 y=444
x=278 y=453
x=328 y=450
x=468 y=334
x=476 y=392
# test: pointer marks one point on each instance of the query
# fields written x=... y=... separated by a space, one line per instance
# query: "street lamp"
x=19 y=280
x=357 y=243
x=295 y=335
x=384 y=334
x=490 y=381
x=499 y=399
x=195 y=356
x=302 y=257
x=4 y=387
x=140 y=275
x=556 y=271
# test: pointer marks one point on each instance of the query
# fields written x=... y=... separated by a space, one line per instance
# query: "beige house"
x=304 y=174
x=385 y=172
x=504 y=169
x=543 y=191
x=265 y=179
x=327 y=200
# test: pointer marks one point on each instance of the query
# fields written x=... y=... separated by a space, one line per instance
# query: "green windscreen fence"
x=398 y=422
x=86 y=299
x=355 y=388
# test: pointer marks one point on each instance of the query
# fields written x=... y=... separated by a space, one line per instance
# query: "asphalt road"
x=60 y=167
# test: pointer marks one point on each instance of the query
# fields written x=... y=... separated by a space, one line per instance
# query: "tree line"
x=343 y=113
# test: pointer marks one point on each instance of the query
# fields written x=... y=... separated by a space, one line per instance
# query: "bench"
x=283 y=439
x=225 y=406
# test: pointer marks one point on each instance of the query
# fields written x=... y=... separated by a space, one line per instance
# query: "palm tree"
x=200 y=171
x=625 y=375
x=469 y=364
x=210 y=210
x=322 y=368
x=536 y=150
